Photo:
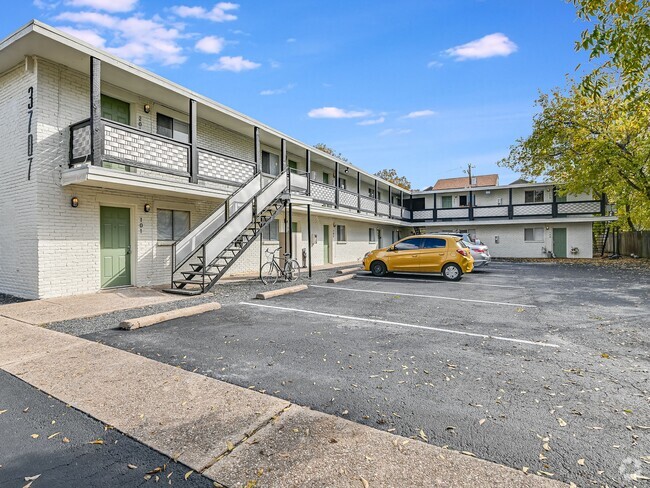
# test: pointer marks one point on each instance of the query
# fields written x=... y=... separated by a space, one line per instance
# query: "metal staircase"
x=203 y=256
x=600 y=236
x=418 y=230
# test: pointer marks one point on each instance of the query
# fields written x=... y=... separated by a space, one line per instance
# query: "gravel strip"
x=224 y=293
x=7 y=299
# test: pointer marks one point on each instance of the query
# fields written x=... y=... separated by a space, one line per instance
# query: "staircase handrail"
x=222 y=210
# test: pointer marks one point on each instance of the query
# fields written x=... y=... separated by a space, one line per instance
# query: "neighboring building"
x=519 y=220
x=114 y=176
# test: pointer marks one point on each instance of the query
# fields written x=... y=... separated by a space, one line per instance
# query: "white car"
x=479 y=251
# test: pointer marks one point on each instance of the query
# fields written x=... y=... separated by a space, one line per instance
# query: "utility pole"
x=468 y=171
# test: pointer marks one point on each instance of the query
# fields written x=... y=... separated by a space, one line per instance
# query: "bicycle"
x=271 y=270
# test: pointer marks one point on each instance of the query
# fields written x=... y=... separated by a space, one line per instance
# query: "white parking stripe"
x=487 y=302
x=390 y=278
x=401 y=324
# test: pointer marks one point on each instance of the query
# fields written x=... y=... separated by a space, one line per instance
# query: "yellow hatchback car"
x=432 y=253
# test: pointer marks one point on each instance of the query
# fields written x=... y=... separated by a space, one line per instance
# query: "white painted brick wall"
x=18 y=212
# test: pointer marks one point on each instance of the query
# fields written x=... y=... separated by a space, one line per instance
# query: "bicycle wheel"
x=292 y=270
x=269 y=274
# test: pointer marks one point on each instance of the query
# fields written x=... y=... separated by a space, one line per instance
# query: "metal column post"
x=358 y=192
x=309 y=238
x=510 y=209
x=376 y=195
x=194 y=149
x=96 y=129
x=390 y=202
x=308 y=165
x=283 y=154
x=336 y=184
x=470 y=210
x=290 y=231
x=258 y=148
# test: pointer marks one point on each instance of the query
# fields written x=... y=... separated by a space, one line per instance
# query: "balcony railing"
x=147 y=154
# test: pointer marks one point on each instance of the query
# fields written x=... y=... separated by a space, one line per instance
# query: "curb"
x=280 y=291
x=338 y=279
x=148 y=320
x=347 y=270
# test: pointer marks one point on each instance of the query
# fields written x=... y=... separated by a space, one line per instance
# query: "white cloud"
x=393 y=132
x=274 y=64
x=434 y=64
x=380 y=120
x=107 y=5
x=418 y=114
x=86 y=35
x=210 y=44
x=291 y=39
x=135 y=38
x=496 y=44
x=45 y=5
x=278 y=91
x=218 y=13
x=337 y=113
x=235 y=64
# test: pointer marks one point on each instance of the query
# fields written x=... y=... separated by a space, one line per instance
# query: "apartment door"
x=559 y=242
x=117 y=111
x=115 y=246
x=326 y=244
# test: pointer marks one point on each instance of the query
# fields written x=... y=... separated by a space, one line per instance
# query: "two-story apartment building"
x=114 y=176
x=520 y=220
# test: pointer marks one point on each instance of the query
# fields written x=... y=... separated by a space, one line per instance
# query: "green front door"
x=559 y=242
x=115 y=246
x=326 y=244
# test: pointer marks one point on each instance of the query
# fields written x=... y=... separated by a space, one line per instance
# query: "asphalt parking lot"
x=542 y=367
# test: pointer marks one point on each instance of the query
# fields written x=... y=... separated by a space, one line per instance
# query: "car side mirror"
x=391 y=249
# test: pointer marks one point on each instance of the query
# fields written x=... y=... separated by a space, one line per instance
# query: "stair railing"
x=183 y=249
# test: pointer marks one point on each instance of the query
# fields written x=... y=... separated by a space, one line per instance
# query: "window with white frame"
x=173 y=224
x=271 y=231
x=534 y=234
x=372 y=235
x=270 y=163
x=341 y=235
x=342 y=183
x=174 y=129
x=534 y=196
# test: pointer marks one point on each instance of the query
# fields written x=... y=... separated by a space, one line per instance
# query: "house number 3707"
x=30 y=136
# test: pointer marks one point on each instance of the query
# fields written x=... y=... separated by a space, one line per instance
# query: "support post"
x=283 y=154
x=401 y=204
x=308 y=166
x=290 y=230
x=470 y=210
x=358 y=191
x=376 y=199
x=258 y=149
x=309 y=239
x=435 y=207
x=336 y=184
x=194 y=148
x=411 y=205
x=603 y=204
x=554 y=204
x=96 y=129
x=511 y=212
x=390 y=202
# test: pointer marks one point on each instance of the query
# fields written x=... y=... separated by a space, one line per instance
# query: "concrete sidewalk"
x=230 y=434
x=47 y=310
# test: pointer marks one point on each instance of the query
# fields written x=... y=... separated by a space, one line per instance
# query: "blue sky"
x=422 y=86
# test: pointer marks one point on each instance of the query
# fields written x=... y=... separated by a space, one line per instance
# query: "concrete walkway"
x=41 y=312
x=230 y=434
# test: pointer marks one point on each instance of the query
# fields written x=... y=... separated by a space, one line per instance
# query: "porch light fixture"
x=346 y=170
x=147 y=108
x=147 y=207
x=74 y=202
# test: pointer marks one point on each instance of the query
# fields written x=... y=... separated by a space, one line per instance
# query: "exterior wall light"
x=346 y=170
x=74 y=202
x=147 y=108
x=147 y=207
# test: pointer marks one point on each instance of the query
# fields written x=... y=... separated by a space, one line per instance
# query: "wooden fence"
x=626 y=243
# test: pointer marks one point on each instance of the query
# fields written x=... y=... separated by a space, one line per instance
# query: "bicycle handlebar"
x=274 y=250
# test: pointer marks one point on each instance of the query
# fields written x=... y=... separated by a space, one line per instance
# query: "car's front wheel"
x=378 y=268
x=452 y=272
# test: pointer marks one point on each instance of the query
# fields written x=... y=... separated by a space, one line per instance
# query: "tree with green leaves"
x=587 y=143
x=392 y=176
x=619 y=39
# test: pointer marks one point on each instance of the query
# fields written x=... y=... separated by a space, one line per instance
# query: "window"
x=173 y=224
x=270 y=163
x=534 y=234
x=409 y=244
x=293 y=166
x=270 y=232
x=371 y=193
x=342 y=183
x=446 y=201
x=372 y=235
x=174 y=129
x=415 y=203
x=462 y=200
x=434 y=243
x=326 y=178
x=534 y=196
x=340 y=233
